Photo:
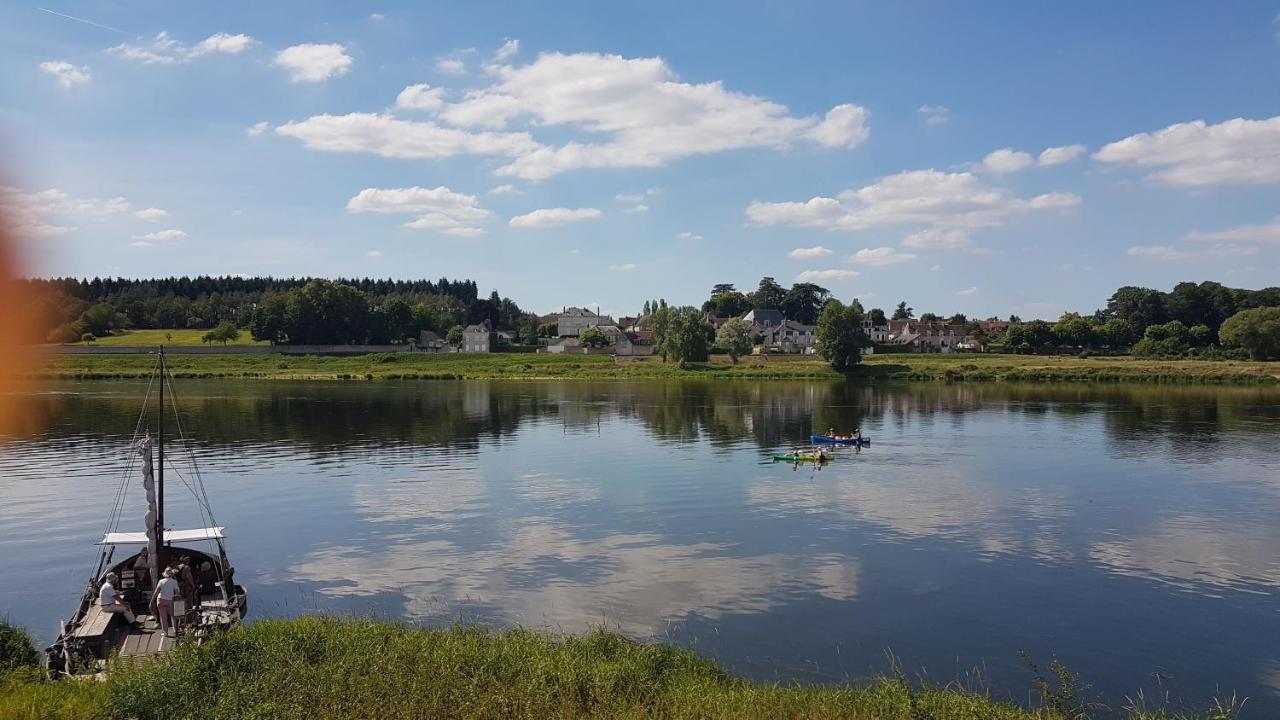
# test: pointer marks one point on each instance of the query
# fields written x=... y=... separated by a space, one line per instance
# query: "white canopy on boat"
x=173 y=536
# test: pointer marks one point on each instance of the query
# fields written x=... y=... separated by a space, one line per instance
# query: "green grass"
x=152 y=338
x=411 y=366
x=324 y=668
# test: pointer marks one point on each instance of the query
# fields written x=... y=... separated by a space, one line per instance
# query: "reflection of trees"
x=342 y=417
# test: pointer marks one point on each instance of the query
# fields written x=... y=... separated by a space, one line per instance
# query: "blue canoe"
x=827 y=440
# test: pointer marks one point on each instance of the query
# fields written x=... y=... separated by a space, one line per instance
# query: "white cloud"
x=39 y=214
x=68 y=75
x=844 y=126
x=451 y=66
x=223 y=43
x=1265 y=233
x=1235 y=152
x=375 y=254
x=1164 y=252
x=934 y=114
x=646 y=114
x=386 y=136
x=880 y=257
x=966 y=292
x=505 y=190
x=159 y=237
x=686 y=235
x=507 y=51
x=918 y=197
x=151 y=213
x=420 y=97
x=816 y=251
x=439 y=208
x=1060 y=155
x=376 y=16
x=256 y=129
x=1006 y=160
x=163 y=50
x=625 y=267
x=641 y=208
x=937 y=240
x=553 y=217
x=817 y=276
x=314 y=62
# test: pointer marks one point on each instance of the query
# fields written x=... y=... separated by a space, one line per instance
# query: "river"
x=1131 y=532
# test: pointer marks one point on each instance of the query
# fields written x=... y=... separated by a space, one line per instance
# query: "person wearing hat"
x=112 y=601
x=162 y=600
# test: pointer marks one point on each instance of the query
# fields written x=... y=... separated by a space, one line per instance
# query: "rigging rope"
x=122 y=489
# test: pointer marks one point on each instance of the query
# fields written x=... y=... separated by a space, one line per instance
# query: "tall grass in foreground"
x=325 y=668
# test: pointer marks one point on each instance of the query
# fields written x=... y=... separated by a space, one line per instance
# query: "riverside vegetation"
x=325 y=668
x=427 y=366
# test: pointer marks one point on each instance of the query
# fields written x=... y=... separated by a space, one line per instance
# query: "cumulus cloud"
x=389 y=137
x=223 y=43
x=1006 y=160
x=880 y=257
x=553 y=217
x=934 y=114
x=1172 y=254
x=917 y=197
x=813 y=252
x=820 y=276
x=1060 y=155
x=439 y=209
x=1268 y=232
x=624 y=267
x=159 y=237
x=507 y=51
x=451 y=66
x=688 y=236
x=937 y=240
x=646 y=115
x=68 y=75
x=505 y=190
x=314 y=62
x=967 y=291
x=420 y=97
x=163 y=50
x=1196 y=154
x=39 y=214
x=151 y=213
x=256 y=129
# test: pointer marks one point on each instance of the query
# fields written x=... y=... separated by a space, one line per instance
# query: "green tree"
x=680 y=334
x=1140 y=306
x=225 y=332
x=878 y=318
x=902 y=312
x=454 y=336
x=593 y=337
x=769 y=295
x=958 y=319
x=270 y=319
x=102 y=319
x=324 y=312
x=803 y=302
x=840 y=335
x=65 y=333
x=734 y=337
x=1169 y=339
x=550 y=330
x=1257 y=330
x=1038 y=334
x=929 y=318
x=728 y=304
x=396 y=319
x=646 y=310
x=1072 y=330
x=1116 y=333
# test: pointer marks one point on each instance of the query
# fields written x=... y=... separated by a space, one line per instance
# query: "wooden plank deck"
x=146 y=641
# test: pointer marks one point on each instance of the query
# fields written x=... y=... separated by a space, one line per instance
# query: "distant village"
x=773 y=332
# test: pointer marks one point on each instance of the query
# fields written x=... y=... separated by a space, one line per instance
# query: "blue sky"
x=590 y=153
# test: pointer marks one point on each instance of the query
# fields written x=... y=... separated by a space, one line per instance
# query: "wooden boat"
x=209 y=601
x=828 y=440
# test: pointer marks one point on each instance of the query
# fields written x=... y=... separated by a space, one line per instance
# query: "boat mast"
x=160 y=484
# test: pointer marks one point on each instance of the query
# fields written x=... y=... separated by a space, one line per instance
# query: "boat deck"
x=145 y=641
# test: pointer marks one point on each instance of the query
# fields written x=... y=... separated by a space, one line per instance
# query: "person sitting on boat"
x=857 y=434
x=162 y=600
x=112 y=601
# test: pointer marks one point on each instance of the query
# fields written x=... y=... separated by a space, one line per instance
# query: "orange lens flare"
x=19 y=335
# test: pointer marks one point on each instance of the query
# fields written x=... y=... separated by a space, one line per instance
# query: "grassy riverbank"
x=395 y=366
x=324 y=668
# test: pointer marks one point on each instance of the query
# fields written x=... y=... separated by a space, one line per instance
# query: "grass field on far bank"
x=425 y=366
x=153 y=338
x=361 y=669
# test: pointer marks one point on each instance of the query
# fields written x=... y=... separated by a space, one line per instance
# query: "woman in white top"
x=162 y=600
x=112 y=601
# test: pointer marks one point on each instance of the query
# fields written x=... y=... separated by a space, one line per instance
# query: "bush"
x=16 y=649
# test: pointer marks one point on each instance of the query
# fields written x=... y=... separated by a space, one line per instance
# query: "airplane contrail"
x=88 y=22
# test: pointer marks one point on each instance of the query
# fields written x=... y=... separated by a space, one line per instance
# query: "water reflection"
x=1120 y=528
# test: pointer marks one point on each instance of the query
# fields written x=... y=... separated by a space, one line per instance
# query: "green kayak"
x=802 y=458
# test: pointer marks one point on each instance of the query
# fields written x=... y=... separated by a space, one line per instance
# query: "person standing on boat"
x=188 y=581
x=162 y=600
x=112 y=601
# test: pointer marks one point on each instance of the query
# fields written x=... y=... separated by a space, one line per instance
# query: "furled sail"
x=149 y=519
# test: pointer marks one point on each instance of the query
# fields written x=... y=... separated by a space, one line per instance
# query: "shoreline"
x=527 y=366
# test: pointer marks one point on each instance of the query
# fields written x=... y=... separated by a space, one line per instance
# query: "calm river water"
x=1132 y=532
